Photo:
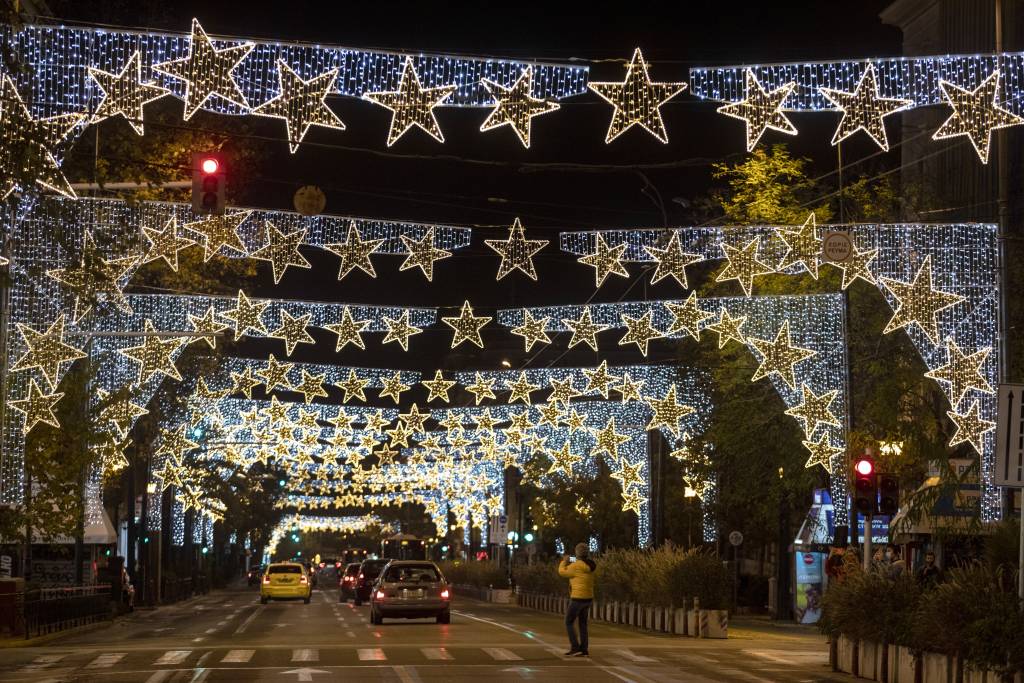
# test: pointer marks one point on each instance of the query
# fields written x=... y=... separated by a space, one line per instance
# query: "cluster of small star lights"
x=310 y=523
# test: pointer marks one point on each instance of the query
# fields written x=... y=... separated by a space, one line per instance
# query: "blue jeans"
x=578 y=611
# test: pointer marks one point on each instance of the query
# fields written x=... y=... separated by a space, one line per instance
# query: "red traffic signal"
x=209 y=165
x=864 y=467
x=865 y=486
x=208 y=179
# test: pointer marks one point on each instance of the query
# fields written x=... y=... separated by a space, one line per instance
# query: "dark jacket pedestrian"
x=929 y=574
x=581 y=594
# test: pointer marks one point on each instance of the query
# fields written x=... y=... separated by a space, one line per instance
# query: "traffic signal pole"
x=867 y=543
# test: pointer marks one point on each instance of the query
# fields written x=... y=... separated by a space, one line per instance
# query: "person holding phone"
x=581 y=594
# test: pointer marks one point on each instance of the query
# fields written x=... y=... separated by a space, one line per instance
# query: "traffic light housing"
x=865 y=489
x=888 y=494
x=208 y=177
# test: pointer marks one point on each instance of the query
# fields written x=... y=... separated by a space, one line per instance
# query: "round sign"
x=836 y=247
x=808 y=558
x=735 y=537
x=309 y=200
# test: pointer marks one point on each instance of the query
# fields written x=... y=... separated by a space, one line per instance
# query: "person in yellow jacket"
x=581 y=594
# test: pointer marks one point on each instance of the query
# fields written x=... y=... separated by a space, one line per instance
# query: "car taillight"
x=337 y=565
x=380 y=595
x=322 y=565
x=444 y=594
x=360 y=575
x=266 y=579
x=303 y=579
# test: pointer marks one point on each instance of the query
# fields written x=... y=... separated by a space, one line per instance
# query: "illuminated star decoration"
x=976 y=113
x=154 y=355
x=355 y=252
x=247 y=316
x=243 y=382
x=672 y=260
x=562 y=460
x=608 y=441
x=532 y=330
x=584 y=329
x=292 y=331
x=822 y=452
x=605 y=261
x=668 y=412
x=632 y=500
x=687 y=317
x=481 y=388
x=125 y=94
x=962 y=372
x=438 y=387
x=516 y=252
x=206 y=327
x=728 y=328
x=858 y=266
x=301 y=103
x=165 y=244
x=970 y=427
x=743 y=265
x=206 y=71
x=919 y=302
x=220 y=232
x=815 y=410
x=521 y=388
x=275 y=374
x=515 y=106
x=92 y=276
x=629 y=388
x=311 y=386
x=412 y=104
x=864 y=109
x=639 y=331
x=761 y=109
x=37 y=407
x=399 y=330
x=779 y=356
x=466 y=326
x=353 y=387
x=629 y=475
x=803 y=246
x=637 y=100
x=46 y=351
x=282 y=250
x=348 y=330
x=27 y=143
x=422 y=253
x=598 y=379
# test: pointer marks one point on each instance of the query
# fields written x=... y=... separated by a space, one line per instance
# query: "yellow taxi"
x=285 y=581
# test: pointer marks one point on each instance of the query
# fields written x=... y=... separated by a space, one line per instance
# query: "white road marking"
x=248 y=620
x=200 y=676
x=160 y=676
x=40 y=663
x=198 y=640
x=350 y=634
x=526 y=634
x=436 y=653
x=371 y=654
x=501 y=654
x=238 y=657
x=211 y=630
x=105 y=661
x=632 y=656
x=173 y=657
x=406 y=674
x=305 y=655
x=787 y=657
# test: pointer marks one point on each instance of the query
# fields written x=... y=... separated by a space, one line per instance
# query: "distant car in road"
x=369 y=570
x=285 y=581
x=411 y=589
x=327 y=571
x=347 y=584
x=255 y=574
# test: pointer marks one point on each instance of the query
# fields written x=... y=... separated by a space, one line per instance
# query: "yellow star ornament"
x=348 y=330
x=639 y=331
x=864 y=109
x=779 y=356
x=154 y=355
x=422 y=254
x=282 y=250
x=399 y=330
x=412 y=104
x=466 y=326
x=584 y=330
x=165 y=244
x=803 y=246
x=301 y=103
x=438 y=387
x=822 y=452
x=124 y=94
x=516 y=252
x=919 y=302
x=220 y=232
x=761 y=109
x=962 y=372
x=247 y=316
x=46 y=351
x=687 y=317
x=815 y=410
x=37 y=407
x=970 y=427
x=743 y=265
x=532 y=330
x=637 y=100
x=976 y=113
x=292 y=331
x=728 y=328
x=605 y=261
x=515 y=106
x=354 y=252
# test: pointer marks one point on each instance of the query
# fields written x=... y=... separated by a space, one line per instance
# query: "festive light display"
x=743 y=265
x=422 y=254
x=282 y=250
x=355 y=252
x=971 y=427
x=779 y=356
x=516 y=107
x=803 y=246
x=637 y=100
x=301 y=103
x=639 y=331
x=467 y=326
x=605 y=261
x=672 y=261
x=761 y=109
x=412 y=104
x=919 y=302
x=864 y=109
x=37 y=407
x=124 y=94
x=46 y=351
x=516 y=252
x=976 y=113
x=962 y=373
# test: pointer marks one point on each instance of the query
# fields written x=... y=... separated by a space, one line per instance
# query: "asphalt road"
x=229 y=636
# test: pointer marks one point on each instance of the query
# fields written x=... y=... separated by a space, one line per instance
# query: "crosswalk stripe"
x=305 y=655
x=371 y=654
x=632 y=656
x=558 y=652
x=48 y=659
x=105 y=661
x=436 y=653
x=501 y=654
x=173 y=657
x=160 y=676
x=238 y=657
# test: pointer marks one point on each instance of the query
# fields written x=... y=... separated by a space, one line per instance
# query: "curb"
x=56 y=635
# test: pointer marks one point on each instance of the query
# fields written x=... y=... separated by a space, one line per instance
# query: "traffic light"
x=888 y=494
x=865 y=491
x=208 y=175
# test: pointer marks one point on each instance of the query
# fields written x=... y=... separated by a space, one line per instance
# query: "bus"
x=403 y=547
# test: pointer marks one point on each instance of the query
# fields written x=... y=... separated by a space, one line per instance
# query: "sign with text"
x=1010 y=436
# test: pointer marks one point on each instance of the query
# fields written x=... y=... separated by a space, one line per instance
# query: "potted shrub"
x=703 y=576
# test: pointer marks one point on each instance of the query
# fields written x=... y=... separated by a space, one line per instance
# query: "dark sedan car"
x=411 y=589
x=347 y=583
x=369 y=570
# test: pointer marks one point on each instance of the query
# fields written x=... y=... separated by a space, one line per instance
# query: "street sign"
x=499 y=529
x=836 y=246
x=735 y=537
x=1010 y=436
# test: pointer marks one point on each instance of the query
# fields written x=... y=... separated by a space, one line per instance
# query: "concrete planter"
x=679 y=621
x=502 y=596
x=902 y=664
x=714 y=623
x=869 y=660
x=693 y=623
x=845 y=651
x=936 y=668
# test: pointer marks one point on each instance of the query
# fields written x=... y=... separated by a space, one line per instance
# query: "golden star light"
x=976 y=113
x=292 y=331
x=119 y=412
x=962 y=372
x=282 y=250
x=629 y=475
x=174 y=443
x=919 y=302
x=393 y=387
x=154 y=355
x=779 y=356
x=668 y=412
x=629 y=388
x=743 y=265
x=206 y=328
x=311 y=386
x=515 y=107
x=562 y=391
x=803 y=246
x=422 y=254
x=516 y=252
x=563 y=460
x=438 y=387
x=301 y=103
x=761 y=109
x=728 y=328
x=815 y=410
x=584 y=329
x=46 y=351
x=864 y=109
x=412 y=104
x=246 y=316
x=481 y=388
x=414 y=419
x=858 y=266
x=672 y=261
x=348 y=330
x=687 y=317
x=354 y=252
x=970 y=428
x=37 y=407
x=243 y=382
x=124 y=94
x=532 y=330
x=608 y=441
x=399 y=330
x=575 y=421
x=521 y=388
x=599 y=379
x=822 y=452
x=275 y=374
x=639 y=331
x=94 y=277
x=220 y=232
x=632 y=500
x=207 y=71
x=466 y=326
x=605 y=261
x=637 y=100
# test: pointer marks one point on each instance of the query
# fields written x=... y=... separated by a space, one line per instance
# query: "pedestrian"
x=929 y=575
x=834 y=564
x=581 y=594
x=896 y=566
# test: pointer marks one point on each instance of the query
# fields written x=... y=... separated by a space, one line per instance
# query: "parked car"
x=369 y=570
x=347 y=584
x=286 y=581
x=411 y=589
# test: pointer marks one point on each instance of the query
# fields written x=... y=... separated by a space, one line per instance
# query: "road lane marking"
x=558 y=652
x=160 y=676
x=248 y=620
x=198 y=640
x=305 y=655
x=632 y=656
x=526 y=634
x=211 y=630
x=406 y=674
x=436 y=653
x=200 y=676
x=371 y=654
x=501 y=654
x=105 y=661
x=238 y=657
x=787 y=657
x=40 y=663
x=350 y=634
x=637 y=677
x=173 y=657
